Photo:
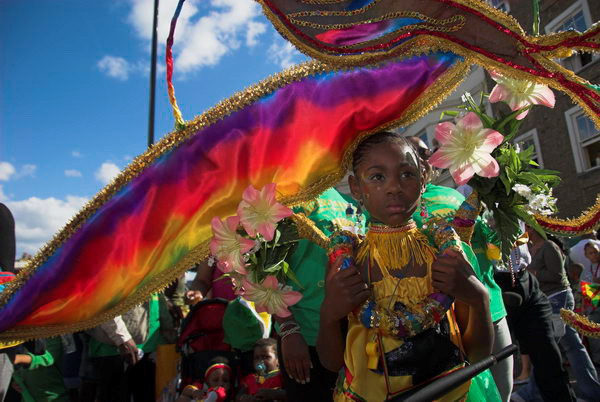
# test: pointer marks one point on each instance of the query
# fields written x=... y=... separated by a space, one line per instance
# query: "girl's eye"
x=407 y=174
x=376 y=177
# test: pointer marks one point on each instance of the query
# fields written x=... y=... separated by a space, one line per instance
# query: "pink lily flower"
x=465 y=149
x=519 y=94
x=271 y=296
x=228 y=246
x=259 y=211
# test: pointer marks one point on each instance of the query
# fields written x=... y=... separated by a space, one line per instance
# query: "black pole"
x=153 y=76
x=441 y=386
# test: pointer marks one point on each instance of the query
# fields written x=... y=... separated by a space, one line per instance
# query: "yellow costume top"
x=378 y=362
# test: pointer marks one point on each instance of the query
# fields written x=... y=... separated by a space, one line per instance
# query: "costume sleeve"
x=53 y=350
x=116 y=331
x=553 y=263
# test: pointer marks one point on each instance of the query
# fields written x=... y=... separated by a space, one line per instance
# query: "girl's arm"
x=453 y=275
x=344 y=291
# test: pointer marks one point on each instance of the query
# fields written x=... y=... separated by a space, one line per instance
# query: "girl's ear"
x=355 y=188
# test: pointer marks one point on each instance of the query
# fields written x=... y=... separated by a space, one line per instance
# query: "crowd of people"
x=405 y=306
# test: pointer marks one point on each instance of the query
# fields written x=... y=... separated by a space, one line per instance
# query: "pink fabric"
x=222 y=288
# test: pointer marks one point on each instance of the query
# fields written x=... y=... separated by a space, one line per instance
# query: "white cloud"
x=283 y=53
x=115 y=67
x=254 y=30
x=76 y=154
x=3 y=197
x=201 y=41
x=26 y=170
x=37 y=219
x=6 y=171
x=106 y=172
x=72 y=173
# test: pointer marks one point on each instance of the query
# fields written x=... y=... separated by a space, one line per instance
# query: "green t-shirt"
x=443 y=201
x=42 y=380
x=309 y=261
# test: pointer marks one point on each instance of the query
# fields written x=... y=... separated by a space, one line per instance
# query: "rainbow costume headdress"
x=389 y=63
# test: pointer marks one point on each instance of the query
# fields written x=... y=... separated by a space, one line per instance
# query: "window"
x=530 y=138
x=585 y=139
x=576 y=17
x=500 y=5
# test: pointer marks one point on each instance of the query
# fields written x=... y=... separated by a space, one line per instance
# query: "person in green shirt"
x=38 y=376
x=304 y=378
x=441 y=201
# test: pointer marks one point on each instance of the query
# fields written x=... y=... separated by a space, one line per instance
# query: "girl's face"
x=388 y=182
x=592 y=253
x=219 y=378
x=268 y=356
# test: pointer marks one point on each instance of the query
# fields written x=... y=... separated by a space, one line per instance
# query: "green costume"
x=309 y=261
x=444 y=201
x=42 y=380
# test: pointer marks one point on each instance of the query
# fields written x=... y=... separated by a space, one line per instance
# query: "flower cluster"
x=538 y=203
x=251 y=248
x=477 y=150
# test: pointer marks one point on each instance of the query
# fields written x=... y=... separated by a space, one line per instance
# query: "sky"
x=74 y=91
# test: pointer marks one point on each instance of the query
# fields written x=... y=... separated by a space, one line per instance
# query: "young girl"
x=218 y=381
x=401 y=331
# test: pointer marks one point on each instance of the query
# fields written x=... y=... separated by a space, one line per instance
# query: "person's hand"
x=453 y=275
x=22 y=358
x=344 y=291
x=296 y=358
x=129 y=351
x=193 y=296
x=269 y=394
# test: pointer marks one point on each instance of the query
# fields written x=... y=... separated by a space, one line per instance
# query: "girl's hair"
x=387 y=136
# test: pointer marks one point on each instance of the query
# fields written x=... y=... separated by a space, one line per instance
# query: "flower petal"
x=292 y=297
x=443 y=132
x=232 y=222
x=440 y=159
x=462 y=174
x=470 y=122
x=488 y=166
x=542 y=95
x=268 y=193
x=267 y=229
x=271 y=282
x=250 y=194
x=498 y=94
x=492 y=140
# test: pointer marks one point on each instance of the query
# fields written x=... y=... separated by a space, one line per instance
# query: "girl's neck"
x=374 y=223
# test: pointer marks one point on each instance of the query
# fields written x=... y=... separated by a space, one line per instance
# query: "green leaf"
x=451 y=113
x=290 y=274
x=529 y=219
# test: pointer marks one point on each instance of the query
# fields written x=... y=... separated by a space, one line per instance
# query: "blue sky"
x=74 y=83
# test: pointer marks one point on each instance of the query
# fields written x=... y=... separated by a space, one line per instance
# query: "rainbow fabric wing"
x=145 y=229
x=357 y=32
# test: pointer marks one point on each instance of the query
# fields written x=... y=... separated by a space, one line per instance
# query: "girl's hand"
x=296 y=358
x=453 y=275
x=344 y=291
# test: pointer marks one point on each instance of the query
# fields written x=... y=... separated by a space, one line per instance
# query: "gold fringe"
x=585 y=218
x=393 y=250
x=576 y=321
x=308 y=230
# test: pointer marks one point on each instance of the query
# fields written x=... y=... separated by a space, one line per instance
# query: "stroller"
x=202 y=339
